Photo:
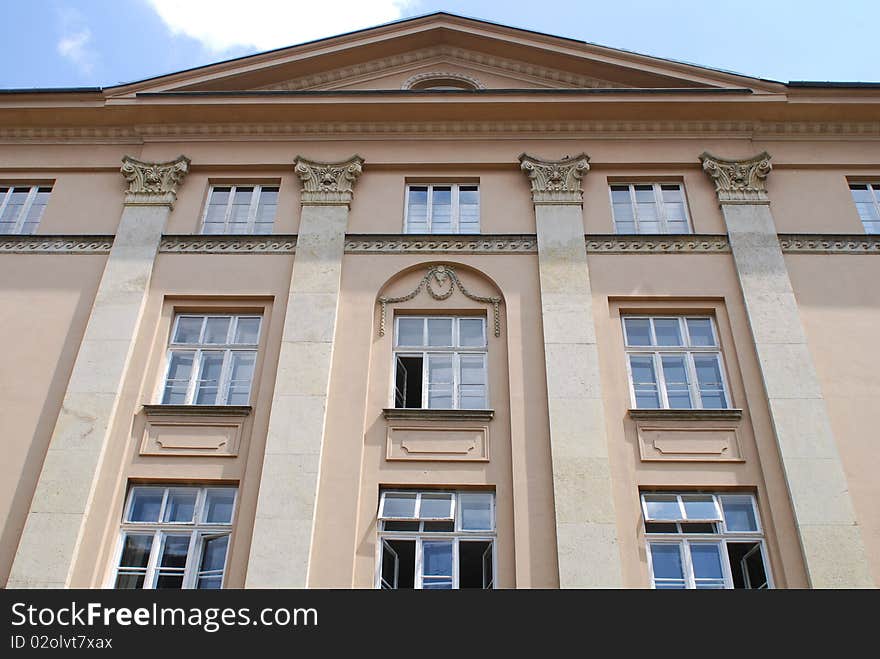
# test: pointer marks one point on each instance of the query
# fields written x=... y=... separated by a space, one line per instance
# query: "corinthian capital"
x=328 y=182
x=556 y=181
x=738 y=181
x=153 y=182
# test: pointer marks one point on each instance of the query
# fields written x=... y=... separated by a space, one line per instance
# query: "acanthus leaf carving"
x=153 y=182
x=328 y=182
x=445 y=278
x=738 y=181
x=556 y=181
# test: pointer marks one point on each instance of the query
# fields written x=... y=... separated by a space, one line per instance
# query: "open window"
x=704 y=541
x=435 y=540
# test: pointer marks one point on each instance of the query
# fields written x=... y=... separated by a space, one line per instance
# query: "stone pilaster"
x=829 y=534
x=53 y=530
x=586 y=528
x=285 y=515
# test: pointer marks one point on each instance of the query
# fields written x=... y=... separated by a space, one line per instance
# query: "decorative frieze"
x=277 y=244
x=153 y=183
x=645 y=244
x=797 y=243
x=556 y=181
x=326 y=183
x=411 y=244
x=739 y=181
x=444 y=277
x=56 y=244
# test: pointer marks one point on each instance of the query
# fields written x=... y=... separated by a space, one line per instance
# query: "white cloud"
x=267 y=24
x=75 y=41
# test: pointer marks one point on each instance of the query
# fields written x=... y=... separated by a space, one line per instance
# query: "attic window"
x=442 y=82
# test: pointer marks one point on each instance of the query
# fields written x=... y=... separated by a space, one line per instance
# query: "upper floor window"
x=435 y=540
x=649 y=208
x=440 y=363
x=174 y=537
x=240 y=209
x=21 y=208
x=447 y=208
x=211 y=359
x=704 y=541
x=867 y=199
x=674 y=362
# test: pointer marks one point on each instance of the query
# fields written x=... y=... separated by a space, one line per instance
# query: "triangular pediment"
x=390 y=57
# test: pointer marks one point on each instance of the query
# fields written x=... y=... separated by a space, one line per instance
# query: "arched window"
x=442 y=82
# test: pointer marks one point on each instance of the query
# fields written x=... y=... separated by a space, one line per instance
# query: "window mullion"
x=426 y=386
x=455 y=218
x=725 y=566
x=155 y=550
x=5 y=200
x=223 y=380
x=252 y=209
x=694 y=385
x=429 y=215
x=228 y=211
x=456 y=380
x=661 y=207
x=455 y=559
x=25 y=209
x=661 y=379
x=687 y=563
x=419 y=562
x=634 y=206
x=193 y=558
x=194 y=377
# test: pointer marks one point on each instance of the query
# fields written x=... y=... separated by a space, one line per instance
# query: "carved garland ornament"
x=153 y=182
x=738 y=181
x=556 y=181
x=442 y=276
x=328 y=182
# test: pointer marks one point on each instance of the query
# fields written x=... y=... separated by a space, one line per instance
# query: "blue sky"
x=71 y=43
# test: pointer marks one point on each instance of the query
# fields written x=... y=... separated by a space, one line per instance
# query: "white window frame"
x=874 y=191
x=201 y=348
x=199 y=531
x=721 y=538
x=26 y=208
x=687 y=350
x=659 y=204
x=455 y=214
x=424 y=351
x=456 y=536
x=256 y=194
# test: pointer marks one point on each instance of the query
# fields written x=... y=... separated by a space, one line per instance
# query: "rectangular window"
x=704 y=541
x=440 y=363
x=867 y=200
x=674 y=363
x=448 y=208
x=211 y=359
x=649 y=208
x=174 y=537
x=21 y=208
x=239 y=209
x=436 y=540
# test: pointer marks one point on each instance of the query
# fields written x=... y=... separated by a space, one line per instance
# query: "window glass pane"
x=208 y=382
x=706 y=561
x=646 y=207
x=266 y=207
x=13 y=208
x=860 y=192
x=699 y=506
x=247 y=331
x=667 y=566
x=638 y=331
x=469 y=209
x=738 y=513
x=440 y=381
x=189 y=329
x=410 y=331
x=417 y=210
x=436 y=506
x=174 y=551
x=214 y=553
x=181 y=505
x=241 y=202
x=136 y=550
x=437 y=564
x=399 y=505
x=441 y=210
x=241 y=374
x=700 y=332
x=677 y=386
x=35 y=213
x=219 y=504
x=177 y=381
x=130 y=581
x=470 y=333
x=662 y=507
x=667 y=331
x=644 y=381
x=145 y=504
x=216 y=329
x=709 y=378
x=472 y=387
x=440 y=332
x=476 y=511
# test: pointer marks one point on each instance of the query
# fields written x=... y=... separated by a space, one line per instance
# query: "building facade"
x=441 y=304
